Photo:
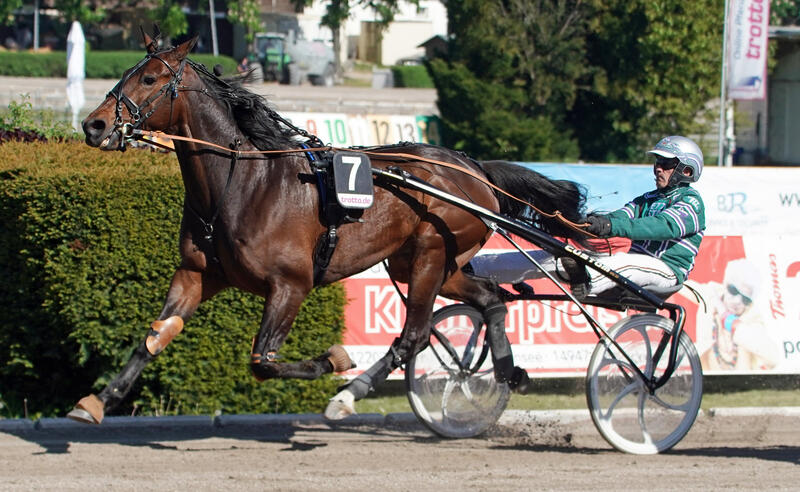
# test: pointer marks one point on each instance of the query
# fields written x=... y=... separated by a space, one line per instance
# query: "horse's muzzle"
x=100 y=134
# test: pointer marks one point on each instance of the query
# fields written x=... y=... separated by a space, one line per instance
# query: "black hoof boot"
x=520 y=382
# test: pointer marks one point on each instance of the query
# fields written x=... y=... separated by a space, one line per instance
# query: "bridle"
x=137 y=119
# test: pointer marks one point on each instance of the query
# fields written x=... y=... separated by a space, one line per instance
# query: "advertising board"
x=750 y=247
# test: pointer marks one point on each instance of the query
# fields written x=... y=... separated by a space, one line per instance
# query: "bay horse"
x=254 y=221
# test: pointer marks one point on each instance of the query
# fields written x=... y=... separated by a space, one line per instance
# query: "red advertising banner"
x=747 y=272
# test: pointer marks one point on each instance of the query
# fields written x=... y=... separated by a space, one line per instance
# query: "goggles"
x=666 y=164
x=735 y=292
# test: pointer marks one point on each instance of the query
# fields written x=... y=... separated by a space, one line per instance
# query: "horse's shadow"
x=57 y=439
x=57 y=435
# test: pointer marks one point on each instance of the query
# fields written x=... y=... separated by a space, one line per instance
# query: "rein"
x=398 y=155
x=133 y=130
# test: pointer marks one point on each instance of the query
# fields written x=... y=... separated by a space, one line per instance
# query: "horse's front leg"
x=187 y=290
x=280 y=309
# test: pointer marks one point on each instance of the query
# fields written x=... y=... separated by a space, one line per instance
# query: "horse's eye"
x=149 y=80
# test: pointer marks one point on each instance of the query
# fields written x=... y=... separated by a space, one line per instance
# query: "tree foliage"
x=784 y=12
x=170 y=18
x=7 y=8
x=589 y=79
x=510 y=76
x=81 y=11
x=246 y=13
x=656 y=66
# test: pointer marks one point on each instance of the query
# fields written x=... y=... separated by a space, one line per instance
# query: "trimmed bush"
x=412 y=76
x=99 y=64
x=88 y=245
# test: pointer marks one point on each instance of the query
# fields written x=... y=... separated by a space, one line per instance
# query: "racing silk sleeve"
x=668 y=225
x=660 y=217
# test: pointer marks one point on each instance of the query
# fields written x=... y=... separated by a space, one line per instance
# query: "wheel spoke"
x=448 y=390
x=628 y=389
x=642 y=401
x=683 y=407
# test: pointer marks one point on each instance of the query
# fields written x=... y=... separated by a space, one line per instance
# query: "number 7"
x=355 y=161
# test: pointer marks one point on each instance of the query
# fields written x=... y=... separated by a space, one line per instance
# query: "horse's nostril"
x=94 y=127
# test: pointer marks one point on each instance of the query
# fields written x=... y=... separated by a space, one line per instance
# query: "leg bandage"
x=162 y=332
x=502 y=359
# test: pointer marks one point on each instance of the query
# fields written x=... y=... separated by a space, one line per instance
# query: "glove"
x=599 y=225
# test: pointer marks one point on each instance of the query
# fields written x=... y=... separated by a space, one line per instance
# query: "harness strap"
x=208 y=226
x=397 y=155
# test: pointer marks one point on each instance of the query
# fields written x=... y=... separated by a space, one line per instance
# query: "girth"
x=332 y=214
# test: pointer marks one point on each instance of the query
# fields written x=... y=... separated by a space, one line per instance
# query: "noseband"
x=137 y=119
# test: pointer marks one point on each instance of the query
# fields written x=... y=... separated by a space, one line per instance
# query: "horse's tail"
x=547 y=195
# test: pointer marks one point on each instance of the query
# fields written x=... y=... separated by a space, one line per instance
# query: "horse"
x=253 y=219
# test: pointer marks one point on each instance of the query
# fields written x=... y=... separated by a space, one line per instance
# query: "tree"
x=7 y=8
x=600 y=79
x=246 y=13
x=338 y=11
x=784 y=12
x=170 y=18
x=510 y=76
x=655 y=68
x=81 y=11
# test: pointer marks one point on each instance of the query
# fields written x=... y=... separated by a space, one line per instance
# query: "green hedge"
x=412 y=76
x=88 y=243
x=99 y=64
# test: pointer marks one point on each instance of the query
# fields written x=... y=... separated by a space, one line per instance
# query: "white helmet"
x=688 y=154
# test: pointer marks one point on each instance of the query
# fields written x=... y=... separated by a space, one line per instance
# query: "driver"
x=665 y=225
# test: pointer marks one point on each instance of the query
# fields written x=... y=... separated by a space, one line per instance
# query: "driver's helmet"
x=688 y=154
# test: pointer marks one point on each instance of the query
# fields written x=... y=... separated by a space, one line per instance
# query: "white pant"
x=510 y=268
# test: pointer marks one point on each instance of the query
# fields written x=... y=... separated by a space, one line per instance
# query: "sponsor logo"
x=730 y=202
x=353 y=199
x=384 y=311
x=585 y=256
x=789 y=199
x=776 y=299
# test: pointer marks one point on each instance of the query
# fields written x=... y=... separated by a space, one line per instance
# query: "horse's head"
x=145 y=97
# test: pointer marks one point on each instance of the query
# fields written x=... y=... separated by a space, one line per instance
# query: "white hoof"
x=340 y=406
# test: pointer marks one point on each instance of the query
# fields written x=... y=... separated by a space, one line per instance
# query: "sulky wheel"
x=450 y=384
x=623 y=410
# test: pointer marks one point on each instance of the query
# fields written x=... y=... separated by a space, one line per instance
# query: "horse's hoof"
x=338 y=357
x=340 y=406
x=89 y=410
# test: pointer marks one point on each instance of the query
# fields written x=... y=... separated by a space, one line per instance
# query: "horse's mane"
x=250 y=111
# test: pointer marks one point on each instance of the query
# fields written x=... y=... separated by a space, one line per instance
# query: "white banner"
x=748 y=22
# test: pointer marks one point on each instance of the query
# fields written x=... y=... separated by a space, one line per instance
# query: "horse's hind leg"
x=187 y=290
x=425 y=280
x=490 y=299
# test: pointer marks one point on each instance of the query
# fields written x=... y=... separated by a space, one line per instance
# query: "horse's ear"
x=149 y=43
x=184 y=48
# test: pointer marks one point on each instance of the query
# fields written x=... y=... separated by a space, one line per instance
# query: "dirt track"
x=740 y=452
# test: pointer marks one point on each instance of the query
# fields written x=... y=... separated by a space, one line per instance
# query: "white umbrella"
x=76 y=47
